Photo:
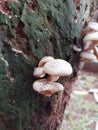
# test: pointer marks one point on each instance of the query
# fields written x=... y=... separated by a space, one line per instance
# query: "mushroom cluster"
x=90 y=41
x=54 y=68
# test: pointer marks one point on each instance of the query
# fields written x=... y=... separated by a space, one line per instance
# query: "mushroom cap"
x=47 y=88
x=88 y=56
x=93 y=25
x=91 y=37
x=58 y=67
x=39 y=72
x=76 y=48
x=45 y=60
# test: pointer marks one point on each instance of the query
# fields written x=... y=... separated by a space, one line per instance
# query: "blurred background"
x=82 y=111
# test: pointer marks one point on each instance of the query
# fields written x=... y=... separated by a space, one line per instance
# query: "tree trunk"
x=30 y=30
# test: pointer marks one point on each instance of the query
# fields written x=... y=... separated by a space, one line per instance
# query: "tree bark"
x=30 y=30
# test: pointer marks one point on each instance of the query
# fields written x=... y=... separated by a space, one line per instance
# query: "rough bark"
x=34 y=29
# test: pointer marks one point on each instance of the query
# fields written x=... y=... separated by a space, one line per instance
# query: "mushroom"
x=45 y=60
x=87 y=55
x=47 y=88
x=91 y=37
x=58 y=67
x=93 y=25
x=90 y=41
x=54 y=68
x=39 y=72
x=76 y=48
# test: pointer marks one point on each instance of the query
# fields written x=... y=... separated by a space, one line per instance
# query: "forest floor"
x=82 y=110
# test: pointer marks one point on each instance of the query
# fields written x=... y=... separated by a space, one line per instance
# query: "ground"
x=82 y=111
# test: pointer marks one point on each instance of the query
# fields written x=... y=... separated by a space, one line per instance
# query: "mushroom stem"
x=52 y=78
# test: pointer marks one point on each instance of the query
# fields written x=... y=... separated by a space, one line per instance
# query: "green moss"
x=48 y=29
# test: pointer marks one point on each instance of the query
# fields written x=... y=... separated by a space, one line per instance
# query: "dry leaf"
x=96 y=98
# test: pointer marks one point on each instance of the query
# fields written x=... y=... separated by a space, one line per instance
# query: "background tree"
x=30 y=30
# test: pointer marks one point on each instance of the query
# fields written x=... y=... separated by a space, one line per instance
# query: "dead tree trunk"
x=30 y=30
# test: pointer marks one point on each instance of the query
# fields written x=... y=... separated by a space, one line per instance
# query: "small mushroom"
x=39 y=72
x=76 y=48
x=91 y=37
x=58 y=67
x=86 y=55
x=47 y=88
x=93 y=25
x=45 y=60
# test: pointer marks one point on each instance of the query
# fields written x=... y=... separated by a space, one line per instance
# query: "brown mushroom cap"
x=47 y=88
x=45 y=60
x=58 y=67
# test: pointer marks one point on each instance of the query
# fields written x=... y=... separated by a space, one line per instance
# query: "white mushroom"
x=76 y=48
x=91 y=37
x=87 y=56
x=58 y=67
x=45 y=60
x=93 y=25
x=47 y=88
x=39 y=72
